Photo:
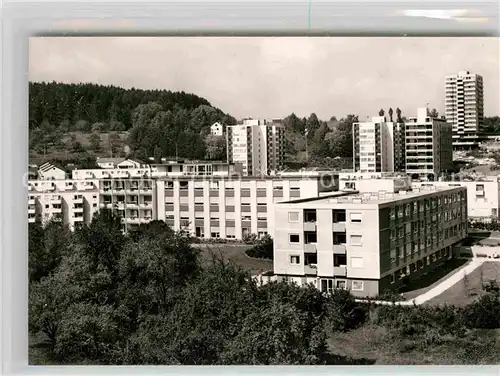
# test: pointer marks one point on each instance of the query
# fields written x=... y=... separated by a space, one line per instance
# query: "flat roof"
x=372 y=197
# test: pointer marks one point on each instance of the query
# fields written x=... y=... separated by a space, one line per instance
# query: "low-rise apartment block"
x=483 y=196
x=209 y=199
x=71 y=202
x=134 y=200
x=232 y=208
x=367 y=242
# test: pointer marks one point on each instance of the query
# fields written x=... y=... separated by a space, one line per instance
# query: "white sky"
x=273 y=77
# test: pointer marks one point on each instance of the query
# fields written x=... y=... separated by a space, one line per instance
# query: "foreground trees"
x=106 y=298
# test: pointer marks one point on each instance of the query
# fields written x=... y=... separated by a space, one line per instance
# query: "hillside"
x=95 y=120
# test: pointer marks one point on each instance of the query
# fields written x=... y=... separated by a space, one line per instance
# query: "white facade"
x=122 y=163
x=378 y=145
x=226 y=208
x=367 y=243
x=464 y=104
x=47 y=171
x=217 y=129
x=429 y=150
x=482 y=197
x=71 y=202
x=170 y=169
x=258 y=145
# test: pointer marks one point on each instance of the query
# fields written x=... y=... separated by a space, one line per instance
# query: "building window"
x=295 y=260
x=357 y=286
x=356 y=240
x=355 y=217
x=326 y=285
x=294 y=238
x=357 y=262
x=293 y=217
x=340 y=285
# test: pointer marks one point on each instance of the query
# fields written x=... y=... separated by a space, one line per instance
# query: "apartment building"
x=378 y=146
x=168 y=169
x=134 y=200
x=483 y=196
x=429 y=148
x=71 y=202
x=258 y=145
x=222 y=207
x=464 y=107
x=367 y=242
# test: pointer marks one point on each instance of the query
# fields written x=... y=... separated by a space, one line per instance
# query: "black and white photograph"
x=268 y=200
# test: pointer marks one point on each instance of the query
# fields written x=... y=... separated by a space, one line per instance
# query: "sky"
x=271 y=77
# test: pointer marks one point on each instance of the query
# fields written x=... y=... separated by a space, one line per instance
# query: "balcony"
x=78 y=200
x=311 y=269
x=56 y=210
x=31 y=201
x=338 y=227
x=310 y=226
x=310 y=248
x=133 y=220
x=78 y=219
x=31 y=211
x=132 y=205
x=340 y=271
x=340 y=249
x=55 y=200
x=78 y=209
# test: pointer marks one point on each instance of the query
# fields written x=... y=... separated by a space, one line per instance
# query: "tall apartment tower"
x=464 y=107
x=429 y=146
x=378 y=146
x=258 y=145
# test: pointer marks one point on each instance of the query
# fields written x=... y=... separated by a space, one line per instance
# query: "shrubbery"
x=263 y=248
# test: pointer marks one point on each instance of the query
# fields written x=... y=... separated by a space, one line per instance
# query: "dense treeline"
x=99 y=297
x=491 y=125
x=161 y=123
x=67 y=104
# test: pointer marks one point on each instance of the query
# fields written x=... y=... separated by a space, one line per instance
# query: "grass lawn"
x=424 y=284
x=372 y=344
x=460 y=294
x=235 y=254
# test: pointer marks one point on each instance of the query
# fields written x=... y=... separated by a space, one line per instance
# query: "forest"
x=97 y=296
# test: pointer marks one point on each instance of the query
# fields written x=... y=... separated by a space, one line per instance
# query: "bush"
x=250 y=238
x=343 y=313
x=483 y=313
x=491 y=286
x=263 y=249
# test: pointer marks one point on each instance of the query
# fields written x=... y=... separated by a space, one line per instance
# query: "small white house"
x=217 y=129
x=48 y=171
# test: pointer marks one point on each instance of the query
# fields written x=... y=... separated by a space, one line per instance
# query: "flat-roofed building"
x=225 y=207
x=379 y=145
x=429 y=146
x=367 y=242
x=483 y=196
x=258 y=145
x=68 y=201
x=134 y=200
x=167 y=169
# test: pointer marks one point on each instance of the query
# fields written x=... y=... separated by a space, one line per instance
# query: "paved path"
x=438 y=289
